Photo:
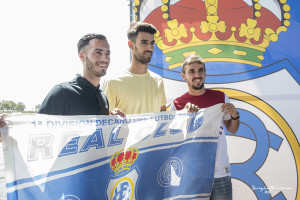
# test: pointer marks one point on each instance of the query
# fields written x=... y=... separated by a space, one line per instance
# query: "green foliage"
x=20 y=106
x=10 y=107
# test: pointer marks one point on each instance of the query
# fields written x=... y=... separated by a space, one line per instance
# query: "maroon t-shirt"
x=209 y=98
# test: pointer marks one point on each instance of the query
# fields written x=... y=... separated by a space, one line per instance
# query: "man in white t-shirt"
x=194 y=73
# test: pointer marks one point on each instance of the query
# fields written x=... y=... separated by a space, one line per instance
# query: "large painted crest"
x=251 y=52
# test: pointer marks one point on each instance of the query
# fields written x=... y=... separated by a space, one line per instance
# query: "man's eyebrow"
x=147 y=40
x=101 y=50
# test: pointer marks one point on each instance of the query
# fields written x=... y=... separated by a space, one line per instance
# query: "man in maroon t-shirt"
x=194 y=73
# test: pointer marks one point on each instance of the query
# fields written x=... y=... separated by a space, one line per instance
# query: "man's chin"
x=146 y=61
x=99 y=74
x=198 y=87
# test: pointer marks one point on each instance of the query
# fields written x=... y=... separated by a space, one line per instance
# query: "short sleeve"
x=55 y=102
x=110 y=92
x=164 y=99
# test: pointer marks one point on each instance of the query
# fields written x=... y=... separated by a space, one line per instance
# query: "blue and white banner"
x=167 y=155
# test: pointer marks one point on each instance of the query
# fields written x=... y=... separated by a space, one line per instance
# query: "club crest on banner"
x=123 y=184
x=170 y=173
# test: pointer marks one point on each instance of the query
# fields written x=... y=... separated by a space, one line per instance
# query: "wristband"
x=235 y=118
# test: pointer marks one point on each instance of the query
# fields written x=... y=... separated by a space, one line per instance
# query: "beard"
x=140 y=56
x=92 y=68
x=198 y=87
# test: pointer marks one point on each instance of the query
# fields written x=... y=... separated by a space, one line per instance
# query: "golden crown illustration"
x=122 y=160
x=217 y=30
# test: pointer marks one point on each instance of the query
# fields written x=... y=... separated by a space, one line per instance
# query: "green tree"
x=20 y=106
x=8 y=105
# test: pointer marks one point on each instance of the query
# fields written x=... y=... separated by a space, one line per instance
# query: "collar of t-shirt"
x=85 y=83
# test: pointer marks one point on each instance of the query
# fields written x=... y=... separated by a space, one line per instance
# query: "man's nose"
x=105 y=58
x=150 y=47
x=199 y=74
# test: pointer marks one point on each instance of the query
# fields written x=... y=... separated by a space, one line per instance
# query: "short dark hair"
x=84 y=41
x=137 y=27
x=191 y=59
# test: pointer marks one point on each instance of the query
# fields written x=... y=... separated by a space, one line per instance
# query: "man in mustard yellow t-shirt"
x=137 y=90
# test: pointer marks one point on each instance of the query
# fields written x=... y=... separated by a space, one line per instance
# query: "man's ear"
x=130 y=44
x=183 y=76
x=81 y=56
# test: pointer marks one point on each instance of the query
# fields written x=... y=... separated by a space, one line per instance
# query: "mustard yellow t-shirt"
x=135 y=93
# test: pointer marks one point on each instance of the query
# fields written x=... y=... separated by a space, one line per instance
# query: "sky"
x=39 y=43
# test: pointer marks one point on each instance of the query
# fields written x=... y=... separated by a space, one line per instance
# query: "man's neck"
x=95 y=81
x=138 y=67
x=194 y=92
